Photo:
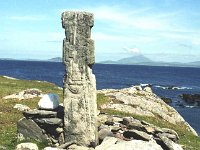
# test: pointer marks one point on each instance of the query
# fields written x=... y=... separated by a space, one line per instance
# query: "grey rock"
x=132 y=123
x=169 y=144
x=79 y=81
x=27 y=128
x=111 y=143
x=76 y=147
x=49 y=121
x=107 y=143
x=109 y=121
x=170 y=136
x=59 y=130
x=166 y=130
x=26 y=146
x=138 y=135
x=115 y=129
x=143 y=103
x=52 y=148
x=39 y=114
x=104 y=133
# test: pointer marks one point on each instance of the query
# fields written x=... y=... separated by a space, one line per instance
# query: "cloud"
x=28 y=18
x=134 y=50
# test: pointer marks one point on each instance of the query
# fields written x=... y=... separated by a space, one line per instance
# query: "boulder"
x=49 y=101
x=111 y=143
x=27 y=128
x=26 y=146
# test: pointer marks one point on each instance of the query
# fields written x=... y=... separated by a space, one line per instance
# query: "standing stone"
x=79 y=81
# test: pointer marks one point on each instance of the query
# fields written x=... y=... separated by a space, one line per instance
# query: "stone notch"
x=79 y=81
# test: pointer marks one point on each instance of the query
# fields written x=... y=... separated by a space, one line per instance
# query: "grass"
x=187 y=139
x=9 y=116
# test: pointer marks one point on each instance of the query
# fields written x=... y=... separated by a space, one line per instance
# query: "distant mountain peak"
x=134 y=59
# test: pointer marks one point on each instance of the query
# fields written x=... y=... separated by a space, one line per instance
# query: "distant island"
x=142 y=60
x=55 y=59
x=133 y=60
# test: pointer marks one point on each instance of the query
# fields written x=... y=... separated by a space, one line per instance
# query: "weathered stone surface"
x=21 y=107
x=111 y=143
x=25 y=94
x=138 y=135
x=79 y=82
x=52 y=148
x=26 y=146
x=27 y=128
x=76 y=147
x=49 y=101
x=49 y=121
x=169 y=143
x=104 y=133
x=143 y=103
x=39 y=114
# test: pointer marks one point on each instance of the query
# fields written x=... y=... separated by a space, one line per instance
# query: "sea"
x=165 y=81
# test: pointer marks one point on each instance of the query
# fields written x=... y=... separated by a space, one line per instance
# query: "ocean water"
x=165 y=81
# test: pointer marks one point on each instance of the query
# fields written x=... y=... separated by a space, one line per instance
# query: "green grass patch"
x=9 y=116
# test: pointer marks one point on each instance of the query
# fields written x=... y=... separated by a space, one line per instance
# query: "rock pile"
x=136 y=100
x=43 y=124
x=128 y=133
x=133 y=130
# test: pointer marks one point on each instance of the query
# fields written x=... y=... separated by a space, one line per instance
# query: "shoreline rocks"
x=191 y=99
x=136 y=101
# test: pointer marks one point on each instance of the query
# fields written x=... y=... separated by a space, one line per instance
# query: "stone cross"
x=79 y=82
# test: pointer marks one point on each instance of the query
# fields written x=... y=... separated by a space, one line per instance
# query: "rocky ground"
x=116 y=132
x=136 y=100
x=120 y=126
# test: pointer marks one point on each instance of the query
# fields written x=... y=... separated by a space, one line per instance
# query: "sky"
x=162 y=30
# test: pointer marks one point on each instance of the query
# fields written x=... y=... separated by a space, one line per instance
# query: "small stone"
x=21 y=107
x=104 y=133
x=170 y=136
x=40 y=114
x=49 y=101
x=76 y=147
x=138 y=88
x=166 y=130
x=26 y=146
x=149 y=129
x=115 y=129
x=109 y=121
x=59 y=130
x=147 y=89
x=135 y=134
x=52 y=148
x=48 y=121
